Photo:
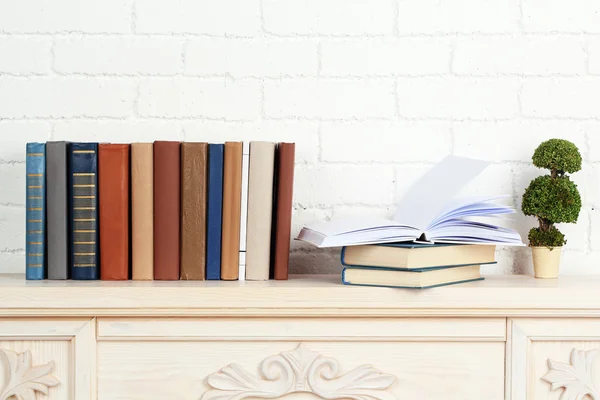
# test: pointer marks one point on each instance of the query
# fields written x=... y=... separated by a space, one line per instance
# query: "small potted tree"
x=552 y=199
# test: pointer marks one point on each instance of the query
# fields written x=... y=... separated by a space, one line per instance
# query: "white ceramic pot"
x=546 y=261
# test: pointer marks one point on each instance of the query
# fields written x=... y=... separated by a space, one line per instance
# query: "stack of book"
x=162 y=210
x=435 y=238
x=414 y=265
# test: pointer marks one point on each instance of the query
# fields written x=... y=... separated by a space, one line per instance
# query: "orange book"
x=232 y=211
x=113 y=190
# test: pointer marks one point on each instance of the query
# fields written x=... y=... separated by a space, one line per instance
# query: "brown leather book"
x=193 y=210
x=283 y=219
x=167 y=206
x=113 y=191
x=142 y=211
x=232 y=211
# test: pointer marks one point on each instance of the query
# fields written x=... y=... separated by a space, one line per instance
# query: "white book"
x=429 y=212
x=244 y=216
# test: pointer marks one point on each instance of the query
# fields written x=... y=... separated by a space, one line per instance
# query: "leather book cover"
x=167 y=205
x=260 y=206
x=214 y=211
x=232 y=198
x=283 y=218
x=142 y=211
x=57 y=215
x=35 y=203
x=83 y=192
x=193 y=211
x=113 y=191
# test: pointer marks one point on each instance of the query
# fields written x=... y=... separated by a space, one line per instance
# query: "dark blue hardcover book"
x=345 y=281
x=35 y=202
x=83 y=211
x=214 y=211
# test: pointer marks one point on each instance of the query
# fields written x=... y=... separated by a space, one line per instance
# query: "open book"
x=430 y=212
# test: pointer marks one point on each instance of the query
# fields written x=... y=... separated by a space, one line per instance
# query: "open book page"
x=354 y=231
x=465 y=231
x=427 y=198
x=472 y=207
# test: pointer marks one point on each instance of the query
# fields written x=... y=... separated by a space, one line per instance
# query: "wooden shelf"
x=310 y=295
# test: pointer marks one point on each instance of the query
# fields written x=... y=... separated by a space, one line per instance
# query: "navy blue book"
x=83 y=210
x=410 y=256
x=214 y=211
x=35 y=202
x=415 y=279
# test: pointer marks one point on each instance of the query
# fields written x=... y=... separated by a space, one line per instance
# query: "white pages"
x=429 y=212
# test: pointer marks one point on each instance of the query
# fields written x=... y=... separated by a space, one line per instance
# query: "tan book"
x=260 y=209
x=232 y=211
x=409 y=256
x=142 y=211
x=193 y=211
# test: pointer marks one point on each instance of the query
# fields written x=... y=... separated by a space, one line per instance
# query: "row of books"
x=414 y=265
x=163 y=210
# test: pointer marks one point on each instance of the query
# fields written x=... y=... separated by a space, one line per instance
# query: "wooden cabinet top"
x=303 y=295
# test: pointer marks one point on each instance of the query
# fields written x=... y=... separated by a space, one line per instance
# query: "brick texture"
x=372 y=92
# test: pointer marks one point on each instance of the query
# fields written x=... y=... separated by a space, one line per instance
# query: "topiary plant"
x=553 y=198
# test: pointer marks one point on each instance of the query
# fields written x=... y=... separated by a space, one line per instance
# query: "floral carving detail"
x=19 y=380
x=576 y=378
x=299 y=370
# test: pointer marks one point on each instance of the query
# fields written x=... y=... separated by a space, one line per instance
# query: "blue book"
x=83 y=214
x=35 y=202
x=415 y=279
x=410 y=256
x=214 y=211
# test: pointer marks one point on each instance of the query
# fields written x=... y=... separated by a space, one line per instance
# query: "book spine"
x=35 y=246
x=343 y=256
x=344 y=281
x=113 y=186
x=214 y=211
x=167 y=208
x=260 y=205
x=244 y=210
x=83 y=202
x=57 y=214
x=193 y=211
x=232 y=199
x=142 y=211
x=285 y=189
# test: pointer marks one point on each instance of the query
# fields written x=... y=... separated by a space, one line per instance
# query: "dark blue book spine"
x=83 y=214
x=35 y=202
x=214 y=211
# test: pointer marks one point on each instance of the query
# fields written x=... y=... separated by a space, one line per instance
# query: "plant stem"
x=554 y=173
x=545 y=224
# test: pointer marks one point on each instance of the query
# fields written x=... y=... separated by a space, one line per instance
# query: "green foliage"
x=554 y=199
x=550 y=238
x=558 y=154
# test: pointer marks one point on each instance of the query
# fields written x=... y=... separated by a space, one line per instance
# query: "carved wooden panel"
x=20 y=379
x=553 y=359
x=304 y=358
x=49 y=359
x=299 y=370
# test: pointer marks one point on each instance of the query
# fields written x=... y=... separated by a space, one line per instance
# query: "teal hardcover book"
x=416 y=279
x=35 y=202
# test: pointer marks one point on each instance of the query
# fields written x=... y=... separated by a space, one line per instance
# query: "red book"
x=283 y=214
x=167 y=210
x=113 y=191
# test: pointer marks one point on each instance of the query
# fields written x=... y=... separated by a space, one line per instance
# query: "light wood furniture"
x=309 y=337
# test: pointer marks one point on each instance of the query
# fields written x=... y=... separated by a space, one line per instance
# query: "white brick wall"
x=373 y=93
